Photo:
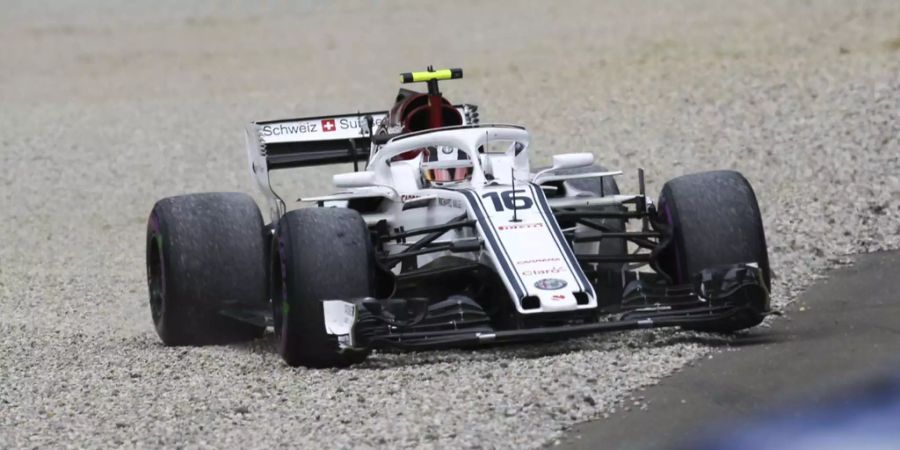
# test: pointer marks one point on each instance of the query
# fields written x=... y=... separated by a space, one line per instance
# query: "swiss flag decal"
x=328 y=124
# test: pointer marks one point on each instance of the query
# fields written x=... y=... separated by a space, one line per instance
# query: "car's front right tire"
x=318 y=254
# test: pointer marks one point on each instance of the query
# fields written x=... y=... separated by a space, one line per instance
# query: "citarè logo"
x=546 y=271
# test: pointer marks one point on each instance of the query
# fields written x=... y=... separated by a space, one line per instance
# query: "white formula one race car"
x=448 y=238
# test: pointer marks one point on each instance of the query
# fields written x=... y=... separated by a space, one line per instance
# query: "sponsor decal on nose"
x=534 y=261
x=550 y=284
x=543 y=271
x=328 y=124
x=524 y=226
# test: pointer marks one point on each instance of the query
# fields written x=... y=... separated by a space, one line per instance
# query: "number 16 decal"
x=509 y=200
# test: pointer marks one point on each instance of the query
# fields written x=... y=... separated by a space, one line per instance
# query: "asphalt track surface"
x=839 y=333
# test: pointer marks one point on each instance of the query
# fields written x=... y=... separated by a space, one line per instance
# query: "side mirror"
x=572 y=160
x=564 y=161
x=354 y=179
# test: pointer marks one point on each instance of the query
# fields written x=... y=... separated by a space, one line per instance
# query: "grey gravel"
x=107 y=107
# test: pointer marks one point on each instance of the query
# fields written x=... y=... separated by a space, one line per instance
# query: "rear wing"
x=314 y=141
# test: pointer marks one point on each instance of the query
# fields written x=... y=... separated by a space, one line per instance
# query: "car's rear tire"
x=715 y=220
x=318 y=254
x=205 y=254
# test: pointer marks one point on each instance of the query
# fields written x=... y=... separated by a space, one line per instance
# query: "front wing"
x=715 y=295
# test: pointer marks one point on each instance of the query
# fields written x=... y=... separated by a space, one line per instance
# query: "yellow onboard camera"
x=429 y=75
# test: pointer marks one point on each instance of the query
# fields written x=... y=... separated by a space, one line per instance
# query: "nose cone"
x=557 y=300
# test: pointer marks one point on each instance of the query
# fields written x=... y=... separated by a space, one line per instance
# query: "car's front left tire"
x=714 y=220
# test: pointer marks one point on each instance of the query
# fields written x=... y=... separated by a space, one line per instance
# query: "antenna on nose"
x=515 y=209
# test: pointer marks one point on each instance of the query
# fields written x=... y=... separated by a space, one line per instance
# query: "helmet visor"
x=447 y=175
